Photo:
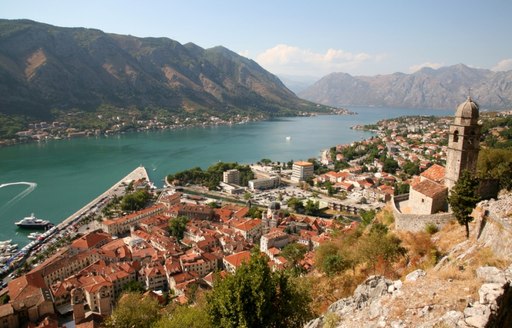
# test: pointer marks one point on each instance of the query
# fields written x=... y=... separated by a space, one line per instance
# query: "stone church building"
x=427 y=199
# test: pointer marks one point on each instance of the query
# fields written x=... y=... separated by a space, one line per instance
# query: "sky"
x=304 y=38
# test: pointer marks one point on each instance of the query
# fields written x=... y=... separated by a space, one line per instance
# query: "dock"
x=137 y=174
x=19 y=258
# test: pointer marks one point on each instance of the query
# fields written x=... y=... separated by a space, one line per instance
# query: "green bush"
x=431 y=228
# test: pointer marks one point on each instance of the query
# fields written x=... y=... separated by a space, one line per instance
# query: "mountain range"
x=44 y=67
x=441 y=88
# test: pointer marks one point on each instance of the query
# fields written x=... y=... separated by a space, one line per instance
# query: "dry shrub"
x=421 y=251
x=326 y=290
x=331 y=320
x=486 y=257
x=385 y=216
x=455 y=272
x=431 y=228
x=451 y=234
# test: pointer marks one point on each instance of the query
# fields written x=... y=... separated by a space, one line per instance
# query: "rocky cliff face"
x=427 y=88
x=465 y=289
x=375 y=304
x=43 y=67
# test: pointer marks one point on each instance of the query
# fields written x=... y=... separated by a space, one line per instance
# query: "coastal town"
x=71 y=126
x=115 y=121
x=186 y=236
x=231 y=164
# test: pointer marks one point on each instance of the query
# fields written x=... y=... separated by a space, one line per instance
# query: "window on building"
x=456 y=136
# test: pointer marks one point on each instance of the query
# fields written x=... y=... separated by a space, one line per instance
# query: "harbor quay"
x=32 y=249
x=137 y=174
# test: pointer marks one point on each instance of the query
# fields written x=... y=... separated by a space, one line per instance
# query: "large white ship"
x=31 y=222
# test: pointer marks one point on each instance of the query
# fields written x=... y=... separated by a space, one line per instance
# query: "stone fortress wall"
x=494 y=218
x=416 y=222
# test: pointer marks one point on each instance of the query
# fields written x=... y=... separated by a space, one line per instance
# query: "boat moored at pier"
x=31 y=222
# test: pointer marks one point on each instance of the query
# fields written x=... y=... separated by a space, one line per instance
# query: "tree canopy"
x=463 y=199
x=212 y=176
x=390 y=165
x=177 y=226
x=496 y=164
x=295 y=204
x=135 y=201
x=134 y=311
x=257 y=297
x=185 y=316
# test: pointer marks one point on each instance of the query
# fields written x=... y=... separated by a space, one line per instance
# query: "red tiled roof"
x=386 y=189
x=274 y=251
x=90 y=240
x=429 y=188
x=130 y=216
x=435 y=173
x=242 y=212
x=275 y=233
x=248 y=225
x=237 y=259
x=213 y=275
x=26 y=286
x=184 y=276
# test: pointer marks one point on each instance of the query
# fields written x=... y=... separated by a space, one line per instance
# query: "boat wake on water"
x=21 y=195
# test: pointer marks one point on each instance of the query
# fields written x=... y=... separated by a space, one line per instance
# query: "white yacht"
x=31 y=222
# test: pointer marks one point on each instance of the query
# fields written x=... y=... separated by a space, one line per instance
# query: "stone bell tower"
x=463 y=142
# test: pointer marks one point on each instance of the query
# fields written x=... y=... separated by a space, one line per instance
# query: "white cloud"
x=244 y=53
x=415 y=68
x=503 y=65
x=285 y=59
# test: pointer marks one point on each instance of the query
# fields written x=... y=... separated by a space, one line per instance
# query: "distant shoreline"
x=89 y=133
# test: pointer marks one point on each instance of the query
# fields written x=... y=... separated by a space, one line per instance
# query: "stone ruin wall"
x=494 y=224
x=417 y=222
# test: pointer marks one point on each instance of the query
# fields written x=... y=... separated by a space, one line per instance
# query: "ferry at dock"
x=31 y=222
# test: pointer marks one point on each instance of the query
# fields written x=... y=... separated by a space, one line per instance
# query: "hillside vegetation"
x=44 y=67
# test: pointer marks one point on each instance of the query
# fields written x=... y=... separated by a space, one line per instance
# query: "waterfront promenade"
x=137 y=174
x=35 y=246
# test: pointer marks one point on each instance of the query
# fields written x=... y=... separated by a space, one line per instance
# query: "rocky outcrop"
x=366 y=299
x=373 y=301
x=493 y=307
x=457 y=293
x=494 y=218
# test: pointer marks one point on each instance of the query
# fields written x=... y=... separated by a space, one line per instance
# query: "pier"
x=137 y=174
x=33 y=247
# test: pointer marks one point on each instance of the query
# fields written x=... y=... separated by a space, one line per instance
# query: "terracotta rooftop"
x=275 y=234
x=25 y=284
x=429 y=188
x=237 y=259
x=248 y=225
x=209 y=278
x=435 y=173
x=143 y=212
x=242 y=212
x=184 y=276
x=172 y=197
x=90 y=240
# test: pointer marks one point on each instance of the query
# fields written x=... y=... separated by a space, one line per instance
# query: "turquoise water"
x=70 y=173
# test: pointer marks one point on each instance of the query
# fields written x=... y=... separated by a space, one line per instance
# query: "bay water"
x=54 y=179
